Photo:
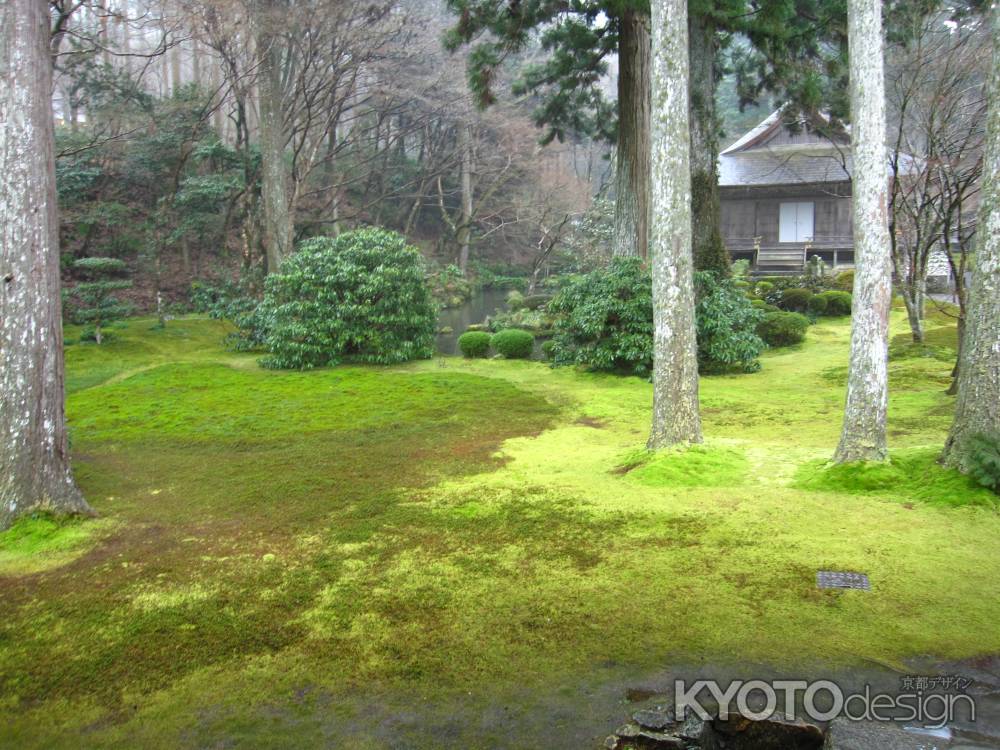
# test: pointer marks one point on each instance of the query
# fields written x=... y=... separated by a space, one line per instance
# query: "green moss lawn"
x=287 y=559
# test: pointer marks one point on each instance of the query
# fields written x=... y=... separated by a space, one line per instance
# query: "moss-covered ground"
x=420 y=554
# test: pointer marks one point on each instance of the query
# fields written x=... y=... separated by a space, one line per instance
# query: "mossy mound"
x=694 y=466
x=908 y=475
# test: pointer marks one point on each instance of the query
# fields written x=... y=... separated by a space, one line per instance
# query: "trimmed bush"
x=783 y=328
x=513 y=343
x=360 y=297
x=763 y=306
x=837 y=303
x=474 y=344
x=761 y=288
x=844 y=281
x=817 y=305
x=727 y=322
x=795 y=299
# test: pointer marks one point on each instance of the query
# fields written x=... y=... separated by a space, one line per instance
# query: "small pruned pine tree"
x=94 y=301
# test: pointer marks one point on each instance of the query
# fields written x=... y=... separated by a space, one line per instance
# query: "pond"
x=485 y=303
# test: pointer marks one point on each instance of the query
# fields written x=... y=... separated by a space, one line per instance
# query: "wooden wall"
x=746 y=218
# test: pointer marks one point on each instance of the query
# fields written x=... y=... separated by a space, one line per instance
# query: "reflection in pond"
x=483 y=304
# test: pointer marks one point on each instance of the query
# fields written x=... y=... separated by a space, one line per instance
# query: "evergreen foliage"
x=92 y=302
x=360 y=297
x=727 y=323
x=983 y=457
x=606 y=320
x=474 y=344
x=783 y=328
x=513 y=343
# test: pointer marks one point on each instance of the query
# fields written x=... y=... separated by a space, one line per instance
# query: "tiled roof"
x=753 y=160
x=784 y=166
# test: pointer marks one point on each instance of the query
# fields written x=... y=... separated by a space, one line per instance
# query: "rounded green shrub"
x=844 y=281
x=763 y=305
x=837 y=303
x=795 y=299
x=762 y=287
x=361 y=297
x=474 y=343
x=513 y=343
x=783 y=328
x=817 y=305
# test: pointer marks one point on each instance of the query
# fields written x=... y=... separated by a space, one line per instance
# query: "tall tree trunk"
x=864 y=431
x=977 y=409
x=631 y=231
x=707 y=246
x=675 y=352
x=465 y=220
x=914 y=312
x=274 y=177
x=34 y=455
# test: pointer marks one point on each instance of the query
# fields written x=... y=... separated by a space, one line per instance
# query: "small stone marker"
x=829 y=579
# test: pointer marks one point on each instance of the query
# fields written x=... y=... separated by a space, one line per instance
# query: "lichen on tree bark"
x=977 y=409
x=34 y=455
x=863 y=437
x=675 y=356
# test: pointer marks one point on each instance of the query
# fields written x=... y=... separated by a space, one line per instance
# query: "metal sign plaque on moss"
x=828 y=579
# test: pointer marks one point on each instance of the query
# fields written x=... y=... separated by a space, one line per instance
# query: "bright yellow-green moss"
x=41 y=542
x=697 y=466
x=454 y=535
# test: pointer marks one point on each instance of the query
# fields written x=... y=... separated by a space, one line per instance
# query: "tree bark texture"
x=464 y=233
x=675 y=354
x=863 y=437
x=274 y=177
x=34 y=455
x=707 y=246
x=977 y=409
x=631 y=231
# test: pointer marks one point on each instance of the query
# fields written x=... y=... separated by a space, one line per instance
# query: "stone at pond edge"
x=693 y=728
x=651 y=719
x=635 y=736
x=794 y=732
